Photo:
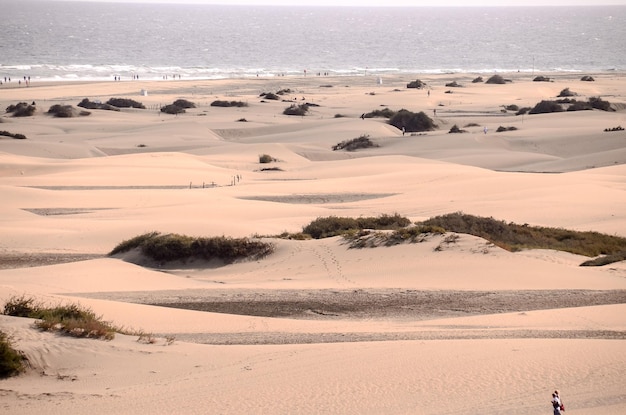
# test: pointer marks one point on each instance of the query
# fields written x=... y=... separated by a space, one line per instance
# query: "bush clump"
x=502 y=129
x=511 y=107
x=174 y=247
x=587 y=78
x=523 y=110
x=477 y=80
x=326 y=227
x=599 y=104
x=266 y=158
x=496 y=79
x=21 y=109
x=579 y=106
x=456 y=130
x=71 y=319
x=541 y=78
x=172 y=109
x=12 y=362
x=514 y=237
x=125 y=103
x=220 y=103
x=91 y=105
x=66 y=111
x=566 y=93
x=183 y=103
x=300 y=109
x=384 y=113
x=416 y=84
x=412 y=122
x=453 y=84
x=355 y=144
x=16 y=136
x=270 y=95
x=546 y=106
x=618 y=128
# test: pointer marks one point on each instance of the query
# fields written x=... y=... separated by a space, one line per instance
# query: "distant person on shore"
x=485 y=129
x=556 y=403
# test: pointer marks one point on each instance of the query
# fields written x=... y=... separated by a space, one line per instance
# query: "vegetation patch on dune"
x=514 y=237
x=355 y=144
x=412 y=121
x=125 y=103
x=175 y=247
x=70 y=319
x=12 y=135
x=297 y=109
x=91 y=105
x=222 y=103
x=21 y=109
x=325 y=227
x=66 y=111
x=12 y=362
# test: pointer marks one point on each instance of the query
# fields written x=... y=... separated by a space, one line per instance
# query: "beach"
x=443 y=326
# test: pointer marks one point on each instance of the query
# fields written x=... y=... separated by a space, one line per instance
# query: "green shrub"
x=502 y=129
x=86 y=103
x=567 y=93
x=172 y=109
x=174 y=247
x=325 y=227
x=541 y=78
x=183 y=103
x=219 y=103
x=544 y=107
x=355 y=144
x=496 y=79
x=294 y=109
x=416 y=84
x=270 y=95
x=266 y=158
x=456 y=130
x=599 y=104
x=12 y=362
x=21 y=109
x=413 y=122
x=125 y=103
x=16 y=136
x=66 y=111
x=70 y=319
x=384 y=113
x=513 y=237
x=580 y=106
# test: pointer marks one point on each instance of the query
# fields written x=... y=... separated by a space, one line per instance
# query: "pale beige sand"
x=77 y=187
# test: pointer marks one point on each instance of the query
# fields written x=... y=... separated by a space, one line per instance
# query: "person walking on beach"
x=556 y=403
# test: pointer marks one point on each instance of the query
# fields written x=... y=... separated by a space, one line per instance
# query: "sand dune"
x=316 y=327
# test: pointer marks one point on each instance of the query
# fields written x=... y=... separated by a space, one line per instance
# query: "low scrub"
x=567 y=93
x=511 y=107
x=514 y=237
x=416 y=84
x=355 y=144
x=66 y=111
x=501 y=129
x=453 y=84
x=618 y=128
x=21 y=109
x=175 y=247
x=266 y=158
x=125 y=103
x=70 y=319
x=587 y=78
x=372 y=239
x=384 y=113
x=545 y=107
x=183 y=103
x=477 y=80
x=599 y=104
x=456 y=130
x=270 y=95
x=12 y=362
x=92 y=105
x=523 y=110
x=411 y=121
x=579 y=106
x=172 y=109
x=300 y=109
x=326 y=227
x=541 y=78
x=219 y=103
x=16 y=136
x=496 y=79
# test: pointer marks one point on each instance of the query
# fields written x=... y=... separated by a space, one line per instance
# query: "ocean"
x=57 y=40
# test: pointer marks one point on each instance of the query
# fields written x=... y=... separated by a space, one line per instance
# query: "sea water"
x=58 y=40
